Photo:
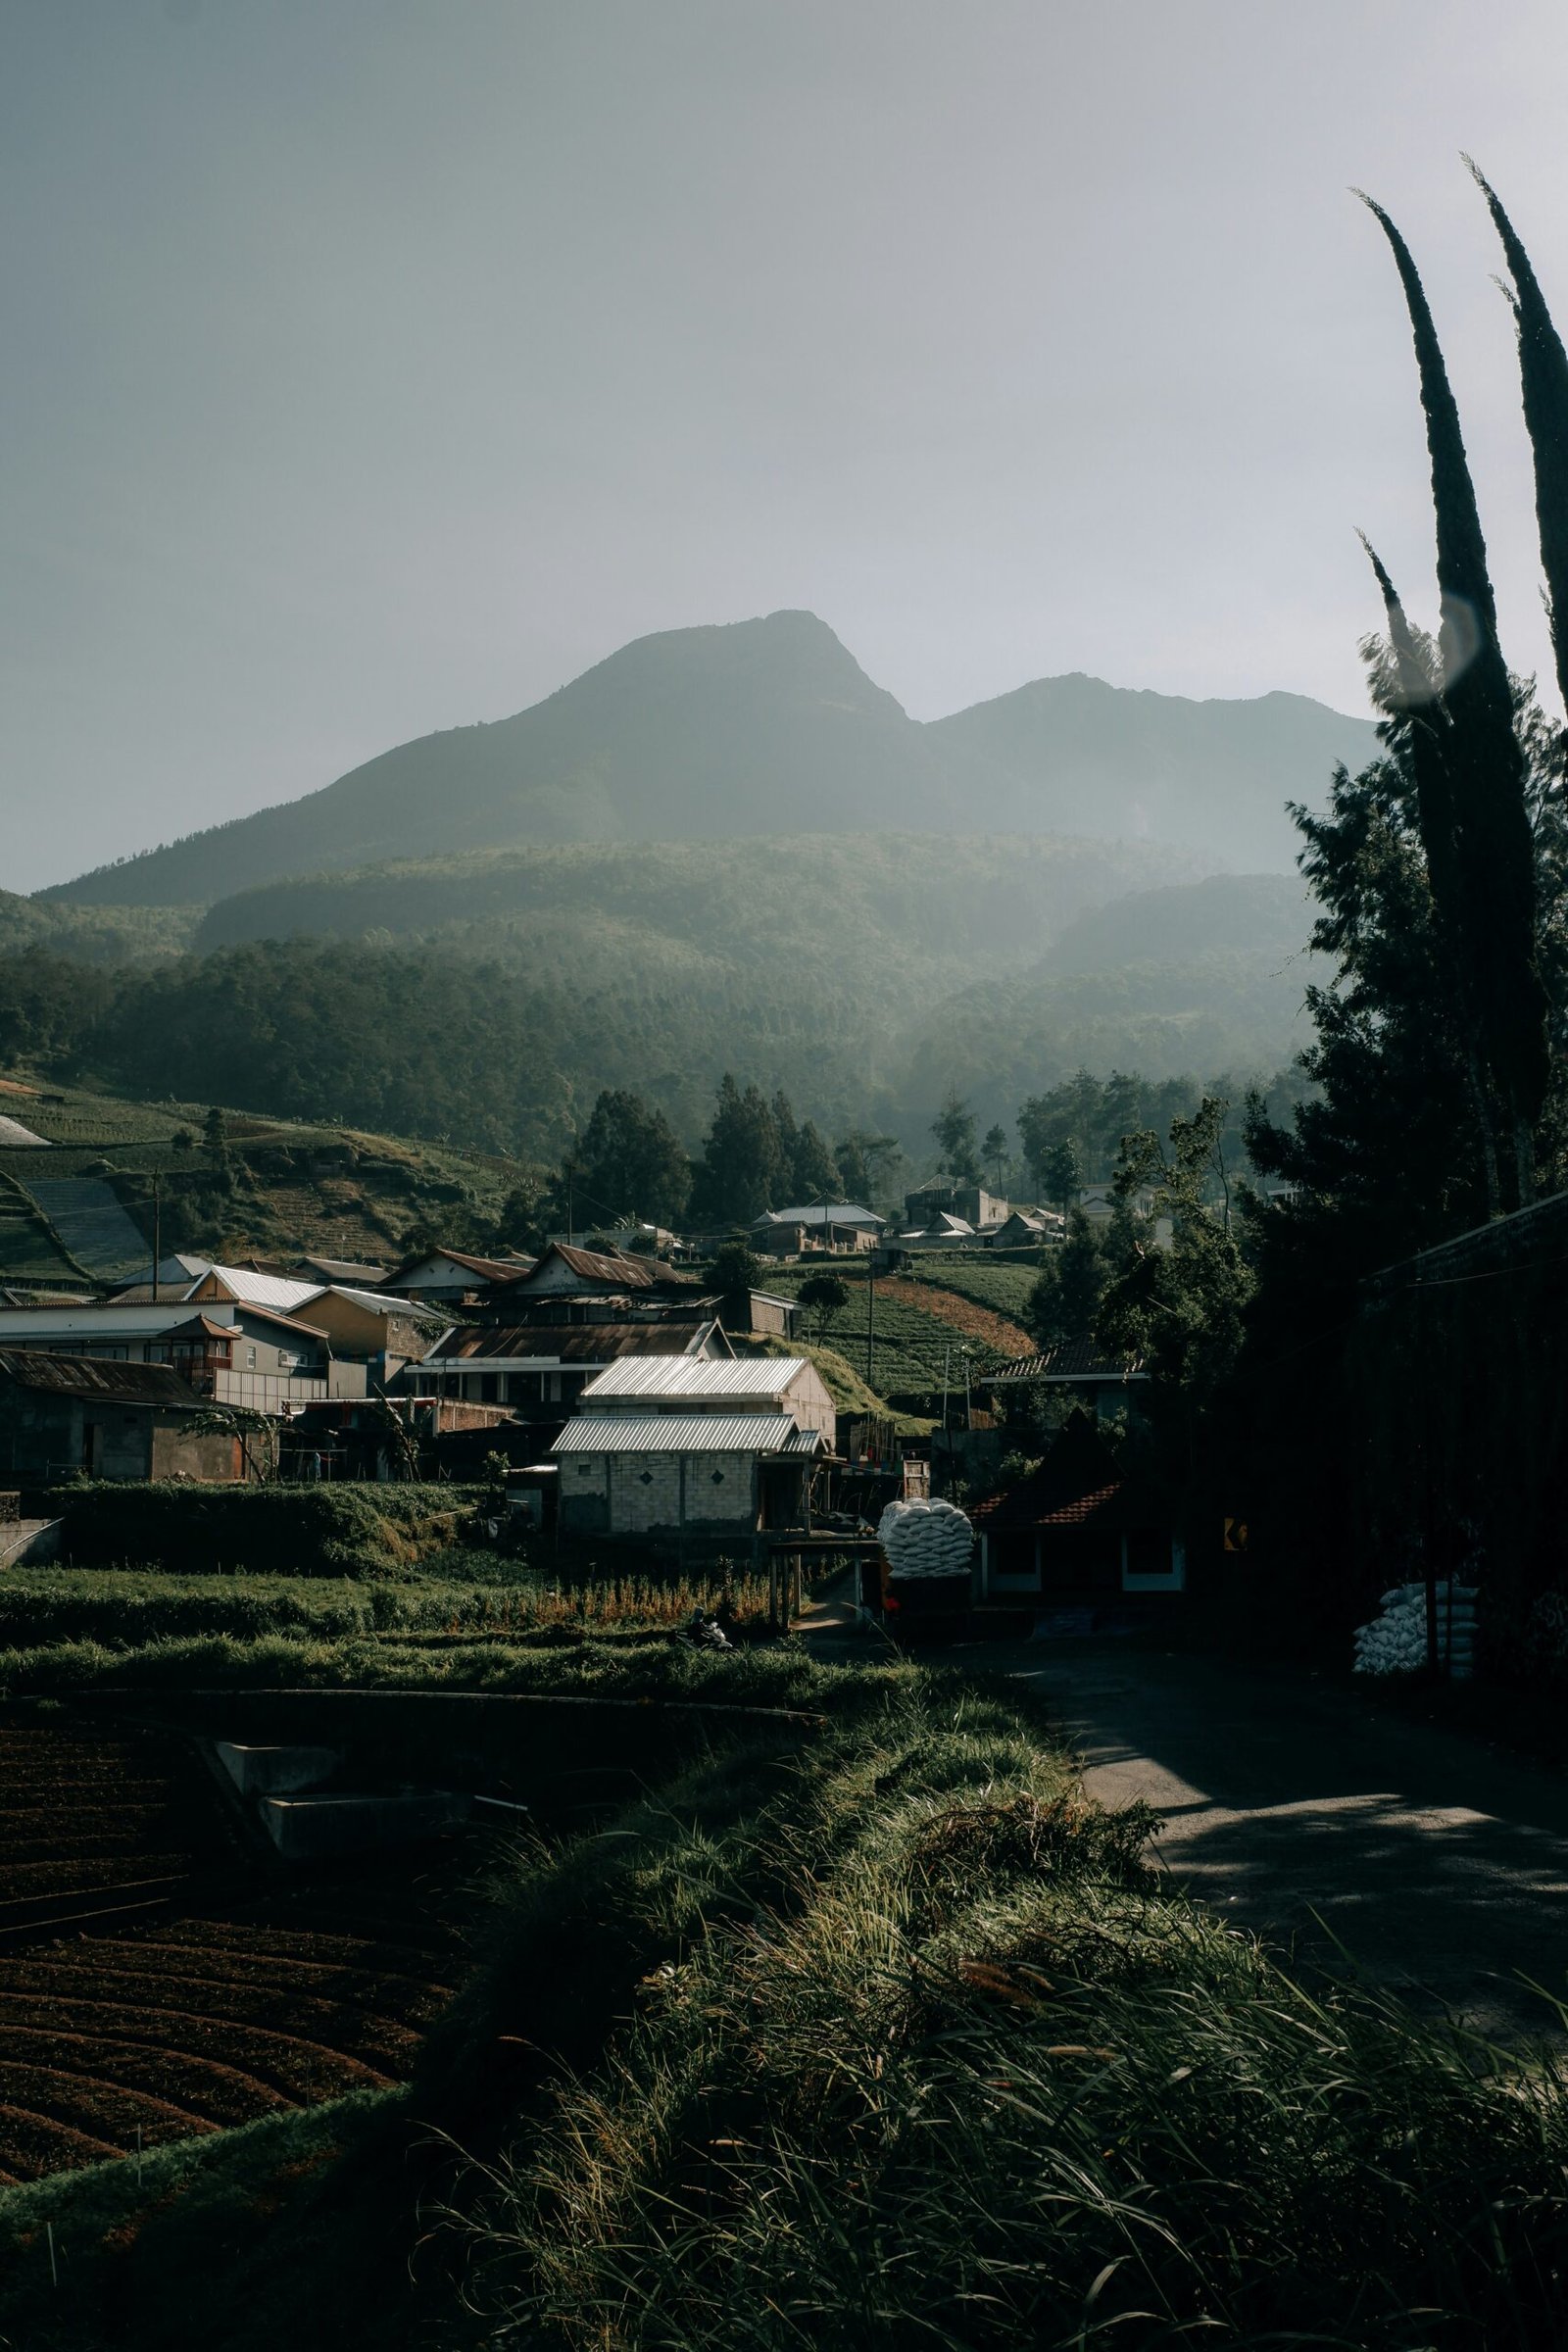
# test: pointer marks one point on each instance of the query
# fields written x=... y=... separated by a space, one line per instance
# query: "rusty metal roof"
x=564 y=1342
x=1069 y=1359
x=94 y=1377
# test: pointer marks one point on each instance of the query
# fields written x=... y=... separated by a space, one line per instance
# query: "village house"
x=695 y=1450
x=970 y=1203
x=229 y=1351
x=1025 y=1229
x=63 y=1416
x=568 y=1284
x=837 y=1226
x=1075 y=1532
x=380 y=1329
x=539 y=1370
x=451 y=1277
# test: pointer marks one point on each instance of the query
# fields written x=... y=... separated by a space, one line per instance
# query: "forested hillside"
x=771 y=726
x=865 y=985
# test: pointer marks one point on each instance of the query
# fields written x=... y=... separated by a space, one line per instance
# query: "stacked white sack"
x=925 y=1539
x=1396 y=1641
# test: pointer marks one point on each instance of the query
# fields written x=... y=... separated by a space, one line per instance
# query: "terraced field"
x=920 y=1331
x=181 y=1994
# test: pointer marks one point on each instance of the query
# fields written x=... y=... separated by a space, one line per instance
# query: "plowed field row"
x=121 y=2036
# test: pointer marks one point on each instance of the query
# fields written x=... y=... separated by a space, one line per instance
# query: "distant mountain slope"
x=892 y=918
x=1196 y=977
x=771 y=726
x=1088 y=757
x=1268 y=915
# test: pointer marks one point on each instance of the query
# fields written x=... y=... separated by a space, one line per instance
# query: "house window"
x=583 y=1469
x=489 y=1388
x=718 y=1478
x=250 y=1359
x=1153 y=1560
x=645 y=1478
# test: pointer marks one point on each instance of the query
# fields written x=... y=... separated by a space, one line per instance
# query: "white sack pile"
x=1396 y=1643
x=925 y=1539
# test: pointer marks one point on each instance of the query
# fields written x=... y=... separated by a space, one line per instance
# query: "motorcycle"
x=701 y=1632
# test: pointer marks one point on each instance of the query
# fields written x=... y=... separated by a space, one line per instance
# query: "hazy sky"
x=375 y=365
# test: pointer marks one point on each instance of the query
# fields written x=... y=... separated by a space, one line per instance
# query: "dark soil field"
x=160 y=1981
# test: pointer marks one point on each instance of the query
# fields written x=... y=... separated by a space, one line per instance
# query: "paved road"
x=1310 y=1814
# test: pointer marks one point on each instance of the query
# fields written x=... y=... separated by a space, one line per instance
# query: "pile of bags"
x=1396 y=1640
x=925 y=1539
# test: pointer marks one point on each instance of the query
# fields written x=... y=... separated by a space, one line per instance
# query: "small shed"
x=704 y=1474
x=61 y=1415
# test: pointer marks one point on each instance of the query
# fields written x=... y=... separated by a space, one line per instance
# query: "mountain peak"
x=771 y=726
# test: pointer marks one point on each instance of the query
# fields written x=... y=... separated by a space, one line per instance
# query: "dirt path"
x=1304 y=1811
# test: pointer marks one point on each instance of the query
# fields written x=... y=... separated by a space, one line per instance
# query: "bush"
x=356 y=1531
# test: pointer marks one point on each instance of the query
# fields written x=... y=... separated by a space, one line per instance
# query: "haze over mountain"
x=771 y=726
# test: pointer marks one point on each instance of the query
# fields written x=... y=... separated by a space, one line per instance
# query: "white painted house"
x=679 y=1447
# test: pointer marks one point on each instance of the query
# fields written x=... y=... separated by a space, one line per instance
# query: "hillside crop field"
x=175 y=1998
x=920 y=1330
x=279 y=1187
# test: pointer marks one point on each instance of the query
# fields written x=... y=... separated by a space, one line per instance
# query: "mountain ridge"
x=771 y=726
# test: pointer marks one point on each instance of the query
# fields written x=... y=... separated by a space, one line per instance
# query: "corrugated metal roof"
x=1070 y=1359
x=677 y=1433
x=380 y=1302
x=262 y=1290
x=832 y=1213
x=88 y=1376
x=690 y=1376
x=564 y=1342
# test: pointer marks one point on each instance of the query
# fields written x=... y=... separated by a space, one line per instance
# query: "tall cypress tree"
x=1485 y=762
x=1543 y=381
x=1407 y=687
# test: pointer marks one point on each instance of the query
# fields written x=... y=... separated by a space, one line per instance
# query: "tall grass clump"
x=952 y=2070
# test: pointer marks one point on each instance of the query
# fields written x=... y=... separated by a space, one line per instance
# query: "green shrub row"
x=132 y=1608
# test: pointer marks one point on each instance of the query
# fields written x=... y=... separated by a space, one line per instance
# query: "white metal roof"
x=680 y=1433
x=276 y=1290
x=692 y=1376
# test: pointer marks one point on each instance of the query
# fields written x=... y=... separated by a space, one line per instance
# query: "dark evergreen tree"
x=955 y=1130
x=742 y=1168
x=1543 y=383
x=630 y=1163
x=813 y=1170
x=1484 y=762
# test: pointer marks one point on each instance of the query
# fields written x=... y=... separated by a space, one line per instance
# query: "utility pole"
x=870 y=1320
x=158 y=1227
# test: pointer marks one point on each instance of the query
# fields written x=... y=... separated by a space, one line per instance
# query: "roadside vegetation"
x=873 y=2034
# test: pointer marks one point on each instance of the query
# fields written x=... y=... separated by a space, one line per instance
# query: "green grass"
x=299 y=1185
x=778 y=1675
x=842 y=1382
x=358 y=1529
x=940 y=2065
x=134 y=1611
x=865 y=2032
